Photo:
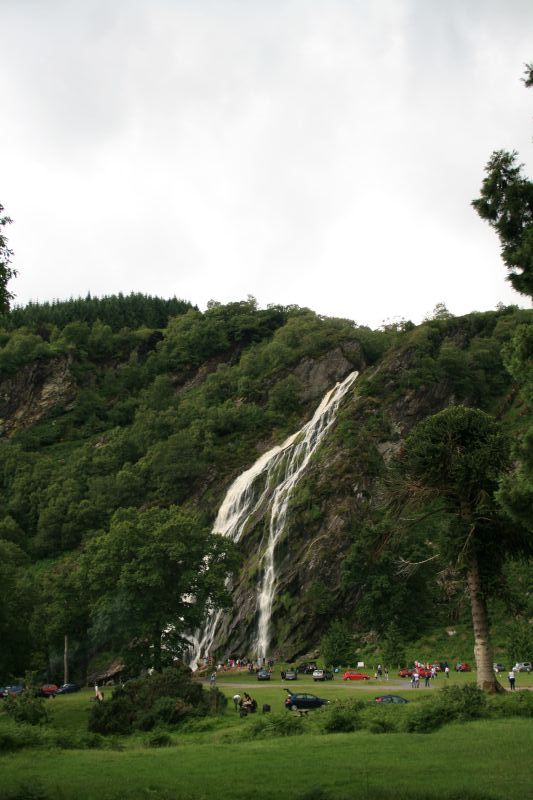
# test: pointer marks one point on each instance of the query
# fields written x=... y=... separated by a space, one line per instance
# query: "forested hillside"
x=123 y=422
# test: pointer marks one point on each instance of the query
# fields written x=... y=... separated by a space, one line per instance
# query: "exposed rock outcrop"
x=317 y=375
x=30 y=394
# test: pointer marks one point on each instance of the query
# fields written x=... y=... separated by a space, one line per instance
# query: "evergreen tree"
x=6 y=271
x=458 y=456
x=506 y=202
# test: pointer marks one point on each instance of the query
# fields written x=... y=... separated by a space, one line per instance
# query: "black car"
x=263 y=675
x=303 y=702
x=68 y=688
x=390 y=698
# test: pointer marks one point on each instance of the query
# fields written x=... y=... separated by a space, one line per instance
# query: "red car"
x=463 y=667
x=355 y=676
x=49 y=688
x=408 y=671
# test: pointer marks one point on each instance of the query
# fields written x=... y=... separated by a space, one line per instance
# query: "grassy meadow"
x=220 y=757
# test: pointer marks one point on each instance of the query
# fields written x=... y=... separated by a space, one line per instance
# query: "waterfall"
x=265 y=488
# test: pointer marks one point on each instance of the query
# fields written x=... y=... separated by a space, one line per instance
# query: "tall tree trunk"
x=486 y=678
x=65 y=661
x=157 y=651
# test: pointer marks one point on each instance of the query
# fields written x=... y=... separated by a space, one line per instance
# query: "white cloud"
x=303 y=152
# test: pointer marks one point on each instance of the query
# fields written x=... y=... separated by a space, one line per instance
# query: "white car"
x=522 y=666
x=322 y=675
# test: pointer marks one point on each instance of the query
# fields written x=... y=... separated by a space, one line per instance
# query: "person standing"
x=447 y=671
x=511 y=678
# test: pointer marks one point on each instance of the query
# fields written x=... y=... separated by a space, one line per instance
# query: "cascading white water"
x=244 y=499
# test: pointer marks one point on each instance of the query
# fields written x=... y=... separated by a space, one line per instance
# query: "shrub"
x=452 y=703
x=164 y=698
x=15 y=737
x=115 y=716
x=344 y=716
x=166 y=710
x=511 y=704
x=26 y=708
x=425 y=718
x=159 y=739
x=380 y=718
x=463 y=702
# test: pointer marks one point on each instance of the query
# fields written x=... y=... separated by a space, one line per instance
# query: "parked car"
x=48 y=689
x=322 y=675
x=407 y=672
x=498 y=667
x=263 y=675
x=522 y=666
x=291 y=675
x=68 y=688
x=463 y=666
x=15 y=689
x=303 y=702
x=355 y=676
x=390 y=698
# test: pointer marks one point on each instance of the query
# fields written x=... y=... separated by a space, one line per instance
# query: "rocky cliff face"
x=327 y=506
x=36 y=389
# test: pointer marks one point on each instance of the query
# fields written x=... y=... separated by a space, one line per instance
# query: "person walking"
x=447 y=671
x=511 y=679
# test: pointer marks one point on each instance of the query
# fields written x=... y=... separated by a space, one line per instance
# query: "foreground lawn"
x=486 y=759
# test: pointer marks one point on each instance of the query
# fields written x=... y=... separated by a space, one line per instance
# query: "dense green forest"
x=111 y=482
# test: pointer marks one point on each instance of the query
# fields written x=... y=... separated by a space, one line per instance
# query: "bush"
x=164 y=698
x=115 y=716
x=159 y=739
x=15 y=737
x=464 y=702
x=26 y=708
x=452 y=703
x=344 y=716
x=166 y=710
x=425 y=718
x=511 y=704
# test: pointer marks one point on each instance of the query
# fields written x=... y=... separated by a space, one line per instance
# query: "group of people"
x=429 y=673
x=244 y=704
x=381 y=672
x=239 y=664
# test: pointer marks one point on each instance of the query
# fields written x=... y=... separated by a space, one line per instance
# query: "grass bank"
x=487 y=759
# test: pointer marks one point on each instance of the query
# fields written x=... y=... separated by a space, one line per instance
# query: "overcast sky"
x=321 y=153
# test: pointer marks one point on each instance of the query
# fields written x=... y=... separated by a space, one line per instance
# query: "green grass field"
x=214 y=757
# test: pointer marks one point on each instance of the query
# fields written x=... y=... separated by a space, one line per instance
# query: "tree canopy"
x=6 y=270
x=506 y=203
x=458 y=456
